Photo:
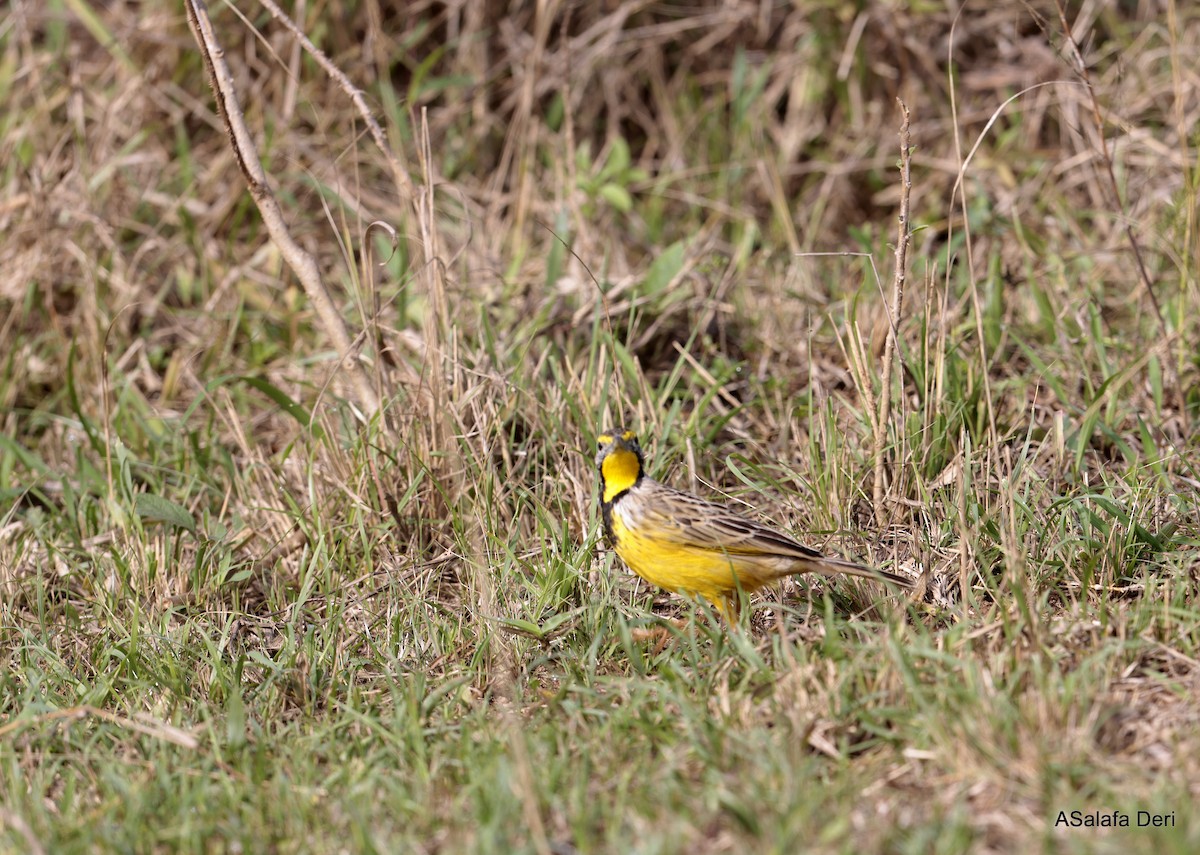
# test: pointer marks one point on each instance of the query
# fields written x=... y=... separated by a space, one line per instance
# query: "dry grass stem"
x=895 y=314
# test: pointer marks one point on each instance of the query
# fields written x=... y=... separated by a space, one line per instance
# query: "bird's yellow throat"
x=620 y=470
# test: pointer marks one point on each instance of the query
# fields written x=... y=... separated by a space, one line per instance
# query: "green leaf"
x=522 y=627
x=152 y=508
x=618 y=197
x=1154 y=374
x=28 y=459
x=235 y=711
x=618 y=160
x=664 y=269
x=299 y=413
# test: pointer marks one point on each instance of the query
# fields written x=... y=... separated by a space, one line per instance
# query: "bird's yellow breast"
x=687 y=569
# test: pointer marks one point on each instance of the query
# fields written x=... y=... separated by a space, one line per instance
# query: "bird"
x=683 y=543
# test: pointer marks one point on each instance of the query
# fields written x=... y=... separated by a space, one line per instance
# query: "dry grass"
x=236 y=614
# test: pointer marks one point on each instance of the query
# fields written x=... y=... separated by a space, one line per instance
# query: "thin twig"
x=399 y=171
x=896 y=311
x=302 y=263
x=1106 y=157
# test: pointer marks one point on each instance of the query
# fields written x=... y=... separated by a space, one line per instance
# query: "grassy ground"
x=238 y=615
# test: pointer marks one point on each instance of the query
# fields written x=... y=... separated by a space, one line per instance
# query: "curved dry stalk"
x=302 y=263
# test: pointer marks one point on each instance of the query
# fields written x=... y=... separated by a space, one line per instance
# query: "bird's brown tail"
x=835 y=566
